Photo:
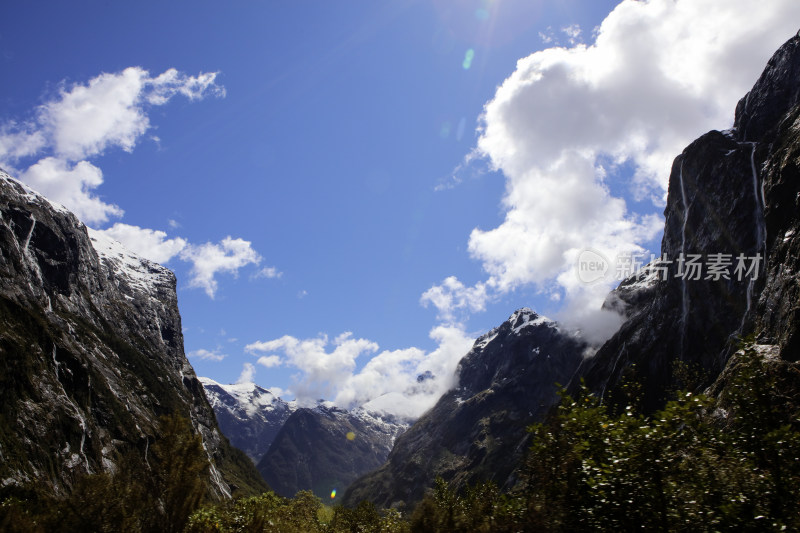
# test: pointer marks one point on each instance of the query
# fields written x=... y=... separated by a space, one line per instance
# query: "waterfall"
x=684 y=289
x=760 y=228
x=30 y=234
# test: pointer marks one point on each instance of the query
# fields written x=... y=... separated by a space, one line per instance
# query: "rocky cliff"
x=734 y=193
x=92 y=353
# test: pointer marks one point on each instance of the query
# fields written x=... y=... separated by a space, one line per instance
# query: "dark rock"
x=478 y=431
x=729 y=192
x=92 y=353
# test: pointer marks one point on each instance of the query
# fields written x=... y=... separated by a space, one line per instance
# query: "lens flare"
x=333 y=494
x=468 y=57
x=350 y=436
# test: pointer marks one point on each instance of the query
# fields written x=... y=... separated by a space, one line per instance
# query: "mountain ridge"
x=93 y=348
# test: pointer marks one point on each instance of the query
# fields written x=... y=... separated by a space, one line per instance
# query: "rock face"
x=92 y=351
x=249 y=415
x=732 y=192
x=478 y=430
x=325 y=448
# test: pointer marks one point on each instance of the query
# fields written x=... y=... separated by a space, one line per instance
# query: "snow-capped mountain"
x=478 y=430
x=92 y=351
x=325 y=448
x=249 y=415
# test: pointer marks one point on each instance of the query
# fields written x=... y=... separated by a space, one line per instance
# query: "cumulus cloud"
x=387 y=382
x=207 y=355
x=83 y=121
x=269 y=361
x=659 y=74
x=248 y=373
x=210 y=259
x=150 y=244
x=453 y=299
x=71 y=185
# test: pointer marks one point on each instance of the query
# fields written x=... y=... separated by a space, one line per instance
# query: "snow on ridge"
x=529 y=318
x=140 y=273
x=648 y=276
x=249 y=397
x=31 y=195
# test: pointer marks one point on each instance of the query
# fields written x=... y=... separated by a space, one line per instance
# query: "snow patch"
x=140 y=273
x=32 y=196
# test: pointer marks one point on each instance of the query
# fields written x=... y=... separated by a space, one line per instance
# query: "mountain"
x=733 y=197
x=249 y=415
x=732 y=192
x=92 y=352
x=325 y=448
x=478 y=430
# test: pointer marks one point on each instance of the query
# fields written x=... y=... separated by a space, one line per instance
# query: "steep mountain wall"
x=92 y=353
x=732 y=192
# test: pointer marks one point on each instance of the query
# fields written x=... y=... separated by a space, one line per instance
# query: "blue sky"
x=349 y=150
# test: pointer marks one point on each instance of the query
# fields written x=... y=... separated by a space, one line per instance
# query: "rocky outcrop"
x=323 y=449
x=249 y=415
x=92 y=352
x=478 y=431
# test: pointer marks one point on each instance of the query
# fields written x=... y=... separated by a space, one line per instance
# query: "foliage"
x=691 y=466
x=478 y=508
x=302 y=514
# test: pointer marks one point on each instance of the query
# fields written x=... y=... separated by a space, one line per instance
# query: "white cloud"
x=207 y=355
x=151 y=244
x=209 y=259
x=269 y=361
x=269 y=273
x=18 y=141
x=659 y=74
x=322 y=370
x=453 y=299
x=573 y=32
x=248 y=373
x=84 y=120
x=110 y=110
x=388 y=381
x=71 y=184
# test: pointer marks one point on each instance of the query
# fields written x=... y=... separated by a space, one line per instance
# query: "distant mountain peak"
x=248 y=414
